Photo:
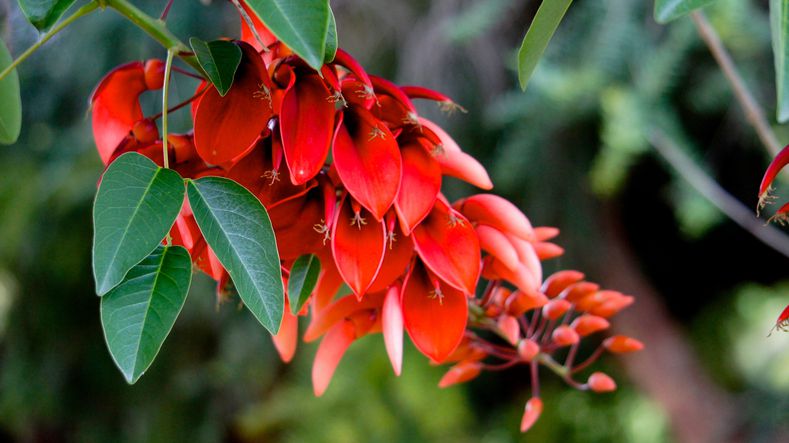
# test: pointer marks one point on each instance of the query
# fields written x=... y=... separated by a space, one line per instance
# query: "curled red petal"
x=358 y=242
x=435 y=315
x=306 y=123
x=419 y=186
x=780 y=160
x=392 y=323
x=448 y=245
x=329 y=354
x=226 y=127
x=115 y=107
x=368 y=161
x=398 y=254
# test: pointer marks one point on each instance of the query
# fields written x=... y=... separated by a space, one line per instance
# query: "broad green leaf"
x=44 y=13
x=219 y=59
x=301 y=25
x=11 y=108
x=139 y=313
x=331 y=39
x=667 y=10
x=779 y=25
x=238 y=229
x=302 y=280
x=542 y=28
x=136 y=205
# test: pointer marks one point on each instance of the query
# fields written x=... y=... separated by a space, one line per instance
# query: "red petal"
x=116 y=108
x=465 y=167
x=392 y=320
x=358 y=244
x=528 y=256
x=448 y=245
x=294 y=220
x=419 y=186
x=435 y=322
x=338 y=310
x=247 y=35
x=329 y=354
x=307 y=125
x=368 y=161
x=288 y=336
x=397 y=256
x=780 y=160
x=226 y=127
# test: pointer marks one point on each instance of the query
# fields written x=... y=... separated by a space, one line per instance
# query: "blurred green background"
x=573 y=151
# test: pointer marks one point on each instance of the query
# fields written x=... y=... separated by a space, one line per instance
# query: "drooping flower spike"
x=349 y=171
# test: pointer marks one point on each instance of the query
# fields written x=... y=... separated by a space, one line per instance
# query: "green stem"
x=84 y=10
x=155 y=28
x=165 y=93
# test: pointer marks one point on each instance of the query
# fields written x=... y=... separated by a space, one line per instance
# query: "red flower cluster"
x=349 y=171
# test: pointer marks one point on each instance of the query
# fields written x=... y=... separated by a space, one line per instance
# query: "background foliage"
x=573 y=151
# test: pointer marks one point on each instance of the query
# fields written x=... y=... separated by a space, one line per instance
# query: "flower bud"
x=599 y=382
x=589 y=324
x=620 y=344
x=145 y=131
x=565 y=336
x=520 y=302
x=556 y=308
x=613 y=306
x=509 y=328
x=528 y=349
x=460 y=373
x=154 y=73
x=531 y=413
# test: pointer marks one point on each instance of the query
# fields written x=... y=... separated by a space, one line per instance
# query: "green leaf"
x=302 y=280
x=779 y=25
x=136 y=205
x=44 y=13
x=542 y=28
x=219 y=59
x=331 y=39
x=139 y=313
x=11 y=109
x=667 y=10
x=238 y=229
x=301 y=25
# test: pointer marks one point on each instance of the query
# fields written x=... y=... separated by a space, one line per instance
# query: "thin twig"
x=713 y=192
x=753 y=112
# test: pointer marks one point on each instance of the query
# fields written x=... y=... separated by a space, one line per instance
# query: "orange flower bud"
x=579 y=290
x=145 y=131
x=509 y=327
x=528 y=349
x=531 y=413
x=620 y=344
x=154 y=73
x=556 y=308
x=460 y=373
x=565 y=336
x=520 y=302
x=595 y=299
x=558 y=281
x=599 y=382
x=613 y=306
x=547 y=250
x=589 y=324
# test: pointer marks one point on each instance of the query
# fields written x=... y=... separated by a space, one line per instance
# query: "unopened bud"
x=154 y=73
x=460 y=373
x=589 y=324
x=531 y=413
x=565 y=336
x=145 y=131
x=620 y=344
x=528 y=349
x=520 y=302
x=556 y=308
x=599 y=382
x=510 y=329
